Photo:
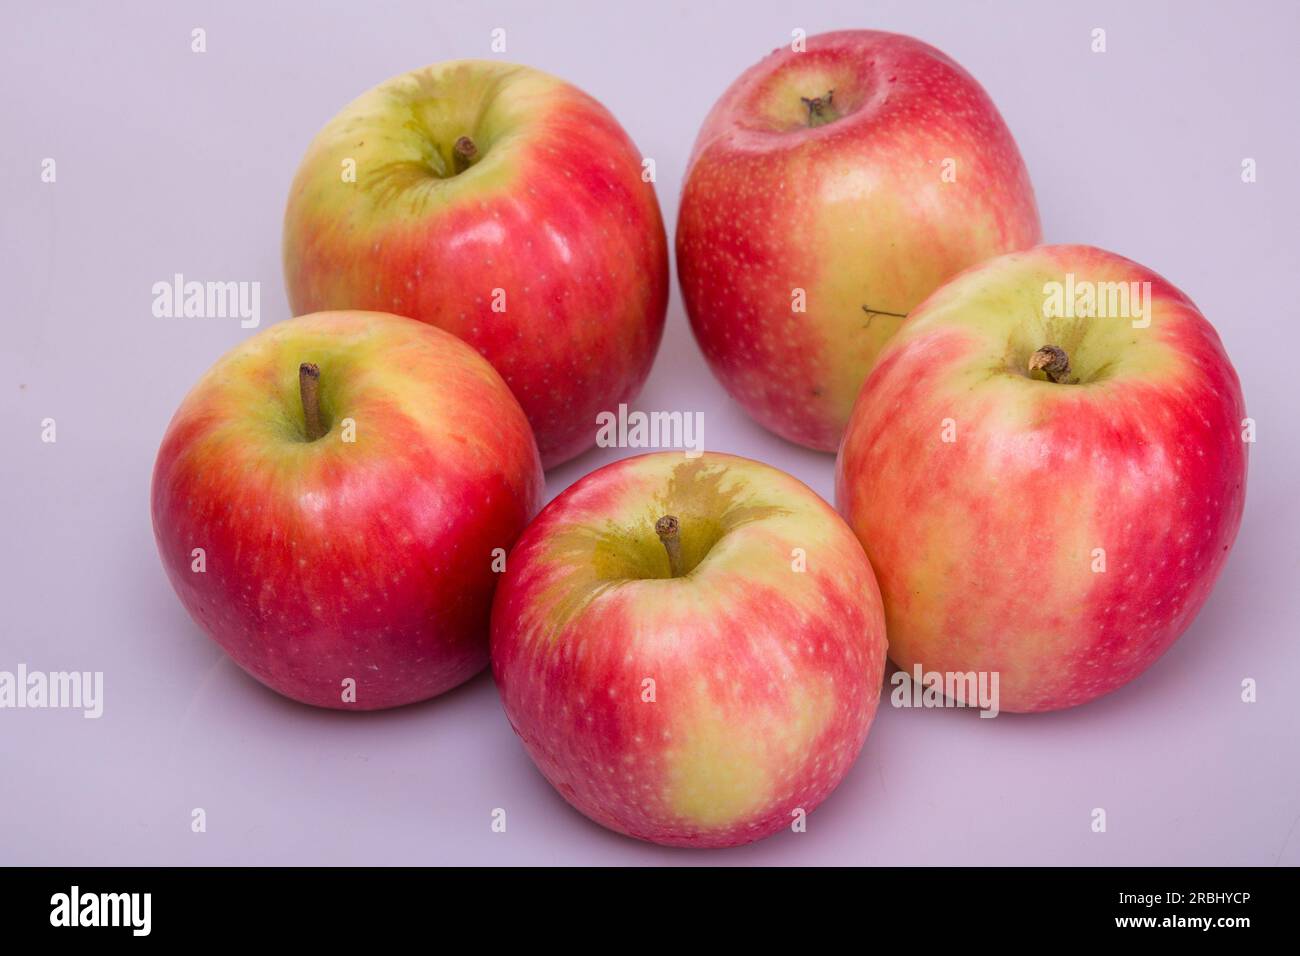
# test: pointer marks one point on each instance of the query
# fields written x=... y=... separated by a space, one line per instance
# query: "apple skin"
x=554 y=213
x=766 y=679
x=854 y=212
x=984 y=545
x=329 y=560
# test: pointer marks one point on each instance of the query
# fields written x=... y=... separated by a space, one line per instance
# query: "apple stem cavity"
x=820 y=111
x=1053 y=362
x=464 y=153
x=309 y=390
x=669 y=530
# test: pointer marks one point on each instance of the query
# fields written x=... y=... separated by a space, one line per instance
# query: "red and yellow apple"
x=328 y=502
x=1047 y=470
x=504 y=206
x=830 y=191
x=691 y=650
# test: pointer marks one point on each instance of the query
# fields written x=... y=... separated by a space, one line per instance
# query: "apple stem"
x=463 y=154
x=309 y=389
x=669 y=530
x=820 y=111
x=1053 y=361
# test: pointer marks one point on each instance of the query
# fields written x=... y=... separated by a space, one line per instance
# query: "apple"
x=830 y=191
x=504 y=206
x=328 y=499
x=691 y=649
x=1047 y=470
